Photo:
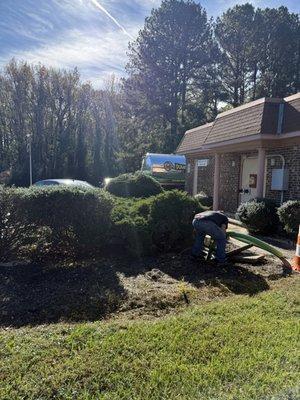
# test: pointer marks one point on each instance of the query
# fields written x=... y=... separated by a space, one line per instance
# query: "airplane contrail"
x=98 y=5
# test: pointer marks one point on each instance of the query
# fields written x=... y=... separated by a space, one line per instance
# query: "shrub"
x=15 y=234
x=204 y=199
x=6 y=233
x=131 y=230
x=133 y=235
x=259 y=215
x=62 y=220
x=289 y=216
x=159 y=223
x=134 y=185
x=170 y=219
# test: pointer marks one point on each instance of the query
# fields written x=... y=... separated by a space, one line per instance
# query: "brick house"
x=250 y=151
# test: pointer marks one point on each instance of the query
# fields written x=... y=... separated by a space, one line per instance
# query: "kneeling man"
x=214 y=224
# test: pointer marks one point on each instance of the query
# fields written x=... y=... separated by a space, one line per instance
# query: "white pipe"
x=283 y=166
x=216 y=182
x=195 y=178
x=261 y=171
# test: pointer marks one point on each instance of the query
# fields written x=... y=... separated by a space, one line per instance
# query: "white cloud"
x=232 y=3
x=113 y=19
x=42 y=24
x=77 y=34
x=97 y=55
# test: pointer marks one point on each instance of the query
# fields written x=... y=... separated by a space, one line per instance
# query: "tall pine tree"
x=167 y=59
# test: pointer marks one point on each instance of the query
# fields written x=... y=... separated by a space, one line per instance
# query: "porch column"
x=261 y=172
x=195 y=178
x=216 y=182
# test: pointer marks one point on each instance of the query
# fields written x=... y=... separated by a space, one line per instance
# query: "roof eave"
x=243 y=142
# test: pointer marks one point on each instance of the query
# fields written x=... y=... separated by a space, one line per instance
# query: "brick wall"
x=229 y=179
x=205 y=177
x=292 y=163
x=230 y=168
x=189 y=175
x=230 y=165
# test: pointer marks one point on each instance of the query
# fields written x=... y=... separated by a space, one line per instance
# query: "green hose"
x=242 y=237
x=248 y=239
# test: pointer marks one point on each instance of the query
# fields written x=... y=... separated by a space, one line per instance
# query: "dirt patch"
x=32 y=294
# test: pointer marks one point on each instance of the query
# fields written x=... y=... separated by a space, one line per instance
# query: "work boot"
x=196 y=258
x=221 y=264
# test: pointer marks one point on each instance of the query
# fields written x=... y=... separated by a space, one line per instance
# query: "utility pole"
x=29 y=137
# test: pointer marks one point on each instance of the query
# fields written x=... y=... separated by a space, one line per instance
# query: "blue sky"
x=90 y=34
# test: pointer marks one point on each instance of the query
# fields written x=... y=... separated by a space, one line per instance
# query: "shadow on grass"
x=34 y=294
x=31 y=295
x=283 y=243
x=237 y=279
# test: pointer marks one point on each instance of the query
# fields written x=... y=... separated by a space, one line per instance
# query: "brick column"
x=216 y=182
x=261 y=172
x=195 y=178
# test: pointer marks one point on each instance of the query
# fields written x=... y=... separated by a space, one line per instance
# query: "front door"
x=248 y=187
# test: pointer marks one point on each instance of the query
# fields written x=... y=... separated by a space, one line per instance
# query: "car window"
x=83 y=184
x=46 y=183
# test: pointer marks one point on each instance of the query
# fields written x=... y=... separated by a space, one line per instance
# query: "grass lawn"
x=240 y=347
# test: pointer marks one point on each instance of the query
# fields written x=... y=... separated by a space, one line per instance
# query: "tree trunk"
x=236 y=91
x=254 y=81
x=173 y=137
x=183 y=98
x=297 y=78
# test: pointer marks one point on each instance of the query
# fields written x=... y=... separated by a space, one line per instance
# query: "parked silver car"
x=65 y=182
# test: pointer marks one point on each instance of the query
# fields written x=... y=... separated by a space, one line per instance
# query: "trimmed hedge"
x=289 y=216
x=159 y=223
x=60 y=222
x=259 y=215
x=170 y=217
x=7 y=229
x=57 y=221
x=130 y=228
x=63 y=222
x=134 y=185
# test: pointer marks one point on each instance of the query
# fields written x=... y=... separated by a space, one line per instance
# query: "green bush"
x=134 y=185
x=170 y=218
x=204 y=199
x=61 y=220
x=259 y=215
x=6 y=230
x=289 y=216
x=134 y=236
x=159 y=223
x=15 y=234
x=131 y=231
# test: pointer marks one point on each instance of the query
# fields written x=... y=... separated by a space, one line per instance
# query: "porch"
x=235 y=173
x=250 y=151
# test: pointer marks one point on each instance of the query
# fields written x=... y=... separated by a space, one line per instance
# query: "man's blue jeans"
x=203 y=228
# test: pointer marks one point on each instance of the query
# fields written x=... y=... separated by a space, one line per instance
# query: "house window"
x=203 y=163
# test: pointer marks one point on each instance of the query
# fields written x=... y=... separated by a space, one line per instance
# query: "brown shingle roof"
x=269 y=124
x=259 y=116
x=194 y=138
x=291 y=119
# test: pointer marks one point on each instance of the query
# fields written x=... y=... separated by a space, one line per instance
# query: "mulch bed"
x=32 y=294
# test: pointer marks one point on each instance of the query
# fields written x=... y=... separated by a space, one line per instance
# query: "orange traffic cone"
x=296 y=259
